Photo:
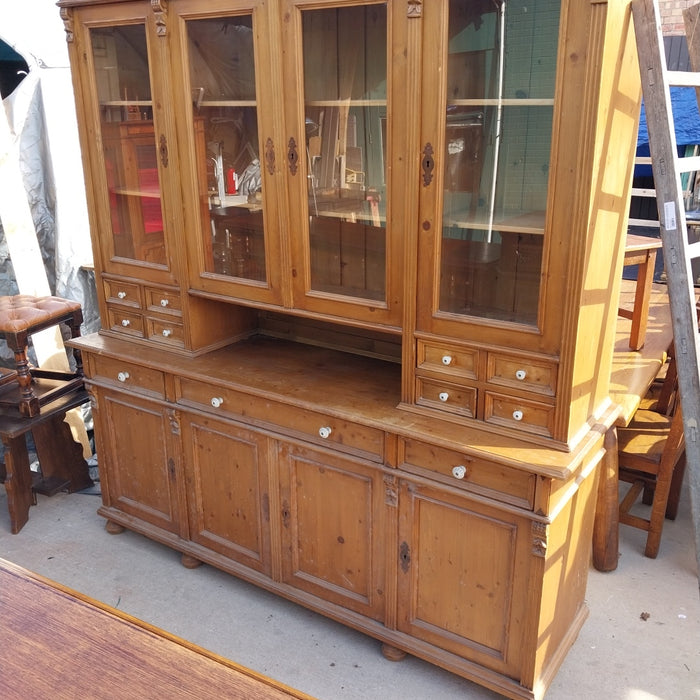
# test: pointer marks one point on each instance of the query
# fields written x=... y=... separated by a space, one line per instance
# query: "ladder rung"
x=641 y=192
x=689 y=164
x=694 y=250
x=683 y=78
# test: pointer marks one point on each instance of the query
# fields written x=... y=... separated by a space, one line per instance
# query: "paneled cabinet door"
x=140 y=466
x=127 y=137
x=227 y=487
x=463 y=576
x=226 y=62
x=333 y=520
x=346 y=257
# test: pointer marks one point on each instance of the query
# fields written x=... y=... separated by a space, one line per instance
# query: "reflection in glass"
x=126 y=118
x=222 y=81
x=498 y=123
x=345 y=112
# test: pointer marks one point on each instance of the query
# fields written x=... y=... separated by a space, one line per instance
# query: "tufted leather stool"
x=20 y=316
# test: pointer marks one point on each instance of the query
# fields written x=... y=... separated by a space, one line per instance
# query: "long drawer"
x=127 y=375
x=479 y=476
x=313 y=426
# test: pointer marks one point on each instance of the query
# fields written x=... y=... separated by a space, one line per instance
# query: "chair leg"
x=658 y=514
x=674 y=494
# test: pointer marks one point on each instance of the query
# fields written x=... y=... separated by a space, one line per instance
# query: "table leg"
x=18 y=482
x=60 y=457
x=606 y=523
x=642 y=295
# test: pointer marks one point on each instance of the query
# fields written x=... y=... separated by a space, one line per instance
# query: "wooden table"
x=632 y=373
x=58 y=644
x=60 y=457
x=641 y=251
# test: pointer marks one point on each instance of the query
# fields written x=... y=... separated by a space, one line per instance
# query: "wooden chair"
x=651 y=457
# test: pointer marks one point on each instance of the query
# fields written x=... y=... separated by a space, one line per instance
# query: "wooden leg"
x=392 y=653
x=59 y=455
x=645 y=278
x=114 y=528
x=18 y=482
x=189 y=562
x=606 y=523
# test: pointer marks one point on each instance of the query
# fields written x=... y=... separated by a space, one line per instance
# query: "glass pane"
x=345 y=112
x=130 y=157
x=225 y=116
x=498 y=130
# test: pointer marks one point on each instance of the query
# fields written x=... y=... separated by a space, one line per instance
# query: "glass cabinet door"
x=339 y=156
x=225 y=62
x=134 y=223
x=492 y=173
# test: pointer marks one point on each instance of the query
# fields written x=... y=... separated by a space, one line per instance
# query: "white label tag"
x=670 y=215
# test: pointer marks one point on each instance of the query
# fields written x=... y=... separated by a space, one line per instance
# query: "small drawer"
x=479 y=476
x=514 y=412
x=526 y=374
x=128 y=375
x=125 y=321
x=163 y=300
x=124 y=293
x=446 y=396
x=442 y=357
x=309 y=425
x=165 y=331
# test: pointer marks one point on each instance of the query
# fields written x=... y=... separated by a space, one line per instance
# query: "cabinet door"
x=488 y=106
x=345 y=258
x=139 y=460
x=229 y=102
x=226 y=471
x=463 y=576
x=127 y=138
x=333 y=517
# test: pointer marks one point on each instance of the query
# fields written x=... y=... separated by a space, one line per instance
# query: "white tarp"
x=41 y=116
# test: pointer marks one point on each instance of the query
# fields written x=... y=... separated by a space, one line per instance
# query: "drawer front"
x=165 y=331
x=127 y=375
x=442 y=357
x=125 y=321
x=522 y=414
x=510 y=371
x=489 y=479
x=446 y=396
x=124 y=293
x=163 y=300
x=309 y=425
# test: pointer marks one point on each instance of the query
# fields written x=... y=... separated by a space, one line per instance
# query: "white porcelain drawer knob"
x=447 y=360
x=459 y=472
x=517 y=415
x=122 y=376
x=126 y=322
x=164 y=302
x=217 y=401
x=167 y=332
x=443 y=396
x=520 y=374
x=325 y=431
x=121 y=295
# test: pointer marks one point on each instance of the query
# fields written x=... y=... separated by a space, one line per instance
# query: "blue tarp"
x=685 y=117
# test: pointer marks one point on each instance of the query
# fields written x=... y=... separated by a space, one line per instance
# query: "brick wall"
x=672 y=15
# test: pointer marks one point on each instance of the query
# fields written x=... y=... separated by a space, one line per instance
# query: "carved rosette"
x=160 y=12
x=93 y=398
x=539 y=539
x=415 y=8
x=67 y=17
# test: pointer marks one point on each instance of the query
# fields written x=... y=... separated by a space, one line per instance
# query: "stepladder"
x=678 y=252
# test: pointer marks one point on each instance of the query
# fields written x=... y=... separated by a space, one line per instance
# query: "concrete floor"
x=618 y=655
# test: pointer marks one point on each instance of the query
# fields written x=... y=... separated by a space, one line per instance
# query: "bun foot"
x=114 y=528
x=189 y=562
x=392 y=653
